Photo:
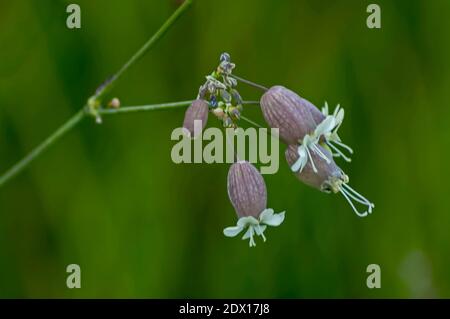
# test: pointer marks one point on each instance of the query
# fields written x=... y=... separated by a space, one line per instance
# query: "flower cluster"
x=312 y=142
x=220 y=92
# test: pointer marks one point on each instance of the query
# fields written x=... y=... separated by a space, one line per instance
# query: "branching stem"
x=93 y=106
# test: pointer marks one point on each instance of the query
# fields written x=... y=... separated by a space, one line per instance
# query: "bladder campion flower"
x=327 y=177
x=300 y=122
x=285 y=110
x=248 y=194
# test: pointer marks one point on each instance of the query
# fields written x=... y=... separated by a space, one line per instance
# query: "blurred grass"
x=109 y=198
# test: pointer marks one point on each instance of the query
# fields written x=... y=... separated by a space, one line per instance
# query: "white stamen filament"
x=310 y=158
x=349 y=194
x=320 y=153
x=348 y=148
x=363 y=200
x=252 y=241
x=261 y=233
x=338 y=152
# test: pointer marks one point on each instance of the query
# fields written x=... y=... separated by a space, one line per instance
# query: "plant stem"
x=258 y=86
x=251 y=122
x=141 y=108
x=152 y=107
x=103 y=90
x=95 y=101
x=49 y=141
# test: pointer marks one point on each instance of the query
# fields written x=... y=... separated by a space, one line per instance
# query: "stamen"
x=311 y=160
x=362 y=198
x=320 y=153
x=252 y=241
x=339 y=153
x=367 y=203
x=344 y=192
x=343 y=145
x=261 y=232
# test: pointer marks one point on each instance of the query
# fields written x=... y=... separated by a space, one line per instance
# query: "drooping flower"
x=197 y=111
x=327 y=177
x=285 y=110
x=300 y=122
x=248 y=194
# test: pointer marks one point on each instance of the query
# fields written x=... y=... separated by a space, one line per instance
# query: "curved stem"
x=107 y=86
x=94 y=101
x=49 y=141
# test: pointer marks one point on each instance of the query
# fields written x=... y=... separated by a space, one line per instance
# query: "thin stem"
x=250 y=83
x=141 y=108
x=102 y=91
x=96 y=99
x=250 y=102
x=152 y=107
x=251 y=121
x=60 y=132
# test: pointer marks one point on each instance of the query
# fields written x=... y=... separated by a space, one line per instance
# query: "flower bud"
x=285 y=110
x=114 y=103
x=197 y=111
x=246 y=189
x=218 y=111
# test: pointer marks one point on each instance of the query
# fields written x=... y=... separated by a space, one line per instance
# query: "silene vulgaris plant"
x=311 y=137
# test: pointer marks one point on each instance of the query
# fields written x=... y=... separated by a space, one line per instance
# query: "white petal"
x=297 y=165
x=307 y=139
x=336 y=110
x=266 y=214
x=247 y=220
x=232 y=231
x=326 y=126
x=275 y=219
x=301 y=161
x=325 y=109
x=340 y=116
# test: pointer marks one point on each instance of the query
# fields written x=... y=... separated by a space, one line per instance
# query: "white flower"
x=330 y=134
x=255 y=226
x=308 y=145
x=328 y=130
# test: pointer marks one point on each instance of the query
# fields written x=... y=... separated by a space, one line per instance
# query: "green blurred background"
x=109 y=198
